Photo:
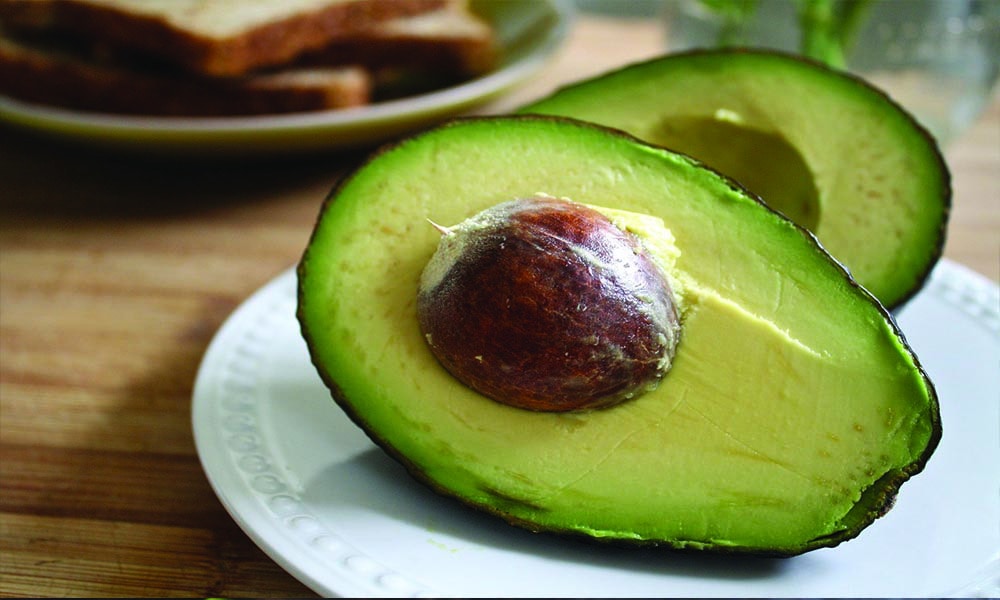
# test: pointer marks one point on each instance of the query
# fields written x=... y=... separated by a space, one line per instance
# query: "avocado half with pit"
x=825 y=148
x=792 y=410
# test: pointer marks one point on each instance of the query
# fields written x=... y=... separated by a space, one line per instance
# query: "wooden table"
x=117 y=271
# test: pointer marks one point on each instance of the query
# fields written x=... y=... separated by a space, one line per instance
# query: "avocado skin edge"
x=946 y=191
x=877 y=504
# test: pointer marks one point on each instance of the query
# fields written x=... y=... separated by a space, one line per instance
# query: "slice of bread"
x=451 y=41
x=211 y=37
x=68 y=53
x=50 y=74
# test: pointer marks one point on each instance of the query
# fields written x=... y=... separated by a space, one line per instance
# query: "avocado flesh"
x=738 y=151
x=828 y=150
x=793 y=410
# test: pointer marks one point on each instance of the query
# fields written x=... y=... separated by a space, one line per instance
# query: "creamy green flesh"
x=791 y=393
x=830 y=152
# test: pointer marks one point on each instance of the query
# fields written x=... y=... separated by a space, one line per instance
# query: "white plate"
x=311 y=490
x=529 y=31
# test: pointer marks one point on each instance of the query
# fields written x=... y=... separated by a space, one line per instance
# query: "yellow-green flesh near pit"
x=831 y=152
x=793 y=410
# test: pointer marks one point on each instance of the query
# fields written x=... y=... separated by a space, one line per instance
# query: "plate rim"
x=356 y=574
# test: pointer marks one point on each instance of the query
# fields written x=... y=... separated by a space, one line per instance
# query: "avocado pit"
x=545 y=304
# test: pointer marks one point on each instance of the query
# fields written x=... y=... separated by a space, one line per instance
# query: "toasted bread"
x=450 y=41
x=211 y=37
x=80 y=53
x=46 y=73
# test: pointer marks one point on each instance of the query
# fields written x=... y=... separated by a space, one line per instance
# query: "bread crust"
x=52 y=78
x=453 y=42
x=266 y=44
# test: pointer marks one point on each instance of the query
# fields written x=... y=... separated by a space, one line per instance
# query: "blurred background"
x=938 y=58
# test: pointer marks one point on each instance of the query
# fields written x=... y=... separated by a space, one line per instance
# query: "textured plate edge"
x=969 y=291
x=979 y=298
x=361 y=575
x=241 y=471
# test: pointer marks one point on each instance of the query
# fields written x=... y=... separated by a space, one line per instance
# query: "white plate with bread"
x=249 y=78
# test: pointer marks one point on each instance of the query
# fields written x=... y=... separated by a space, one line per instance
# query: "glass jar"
x=937 y=58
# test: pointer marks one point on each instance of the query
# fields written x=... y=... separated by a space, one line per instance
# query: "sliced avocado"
x=834 y=154
x=793 y=410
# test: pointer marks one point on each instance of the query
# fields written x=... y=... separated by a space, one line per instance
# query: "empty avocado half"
x=825 y=148
x=789 y=414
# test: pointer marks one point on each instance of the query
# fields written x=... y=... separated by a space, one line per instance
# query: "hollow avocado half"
x=792 y=413
x=827 y=149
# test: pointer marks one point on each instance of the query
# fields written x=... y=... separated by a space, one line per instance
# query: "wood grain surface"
x=115 y=273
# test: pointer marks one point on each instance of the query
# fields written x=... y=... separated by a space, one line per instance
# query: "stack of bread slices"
x=236 y=57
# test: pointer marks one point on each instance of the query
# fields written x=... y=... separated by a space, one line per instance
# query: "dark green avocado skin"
x=313 y=297
x=592 y=88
